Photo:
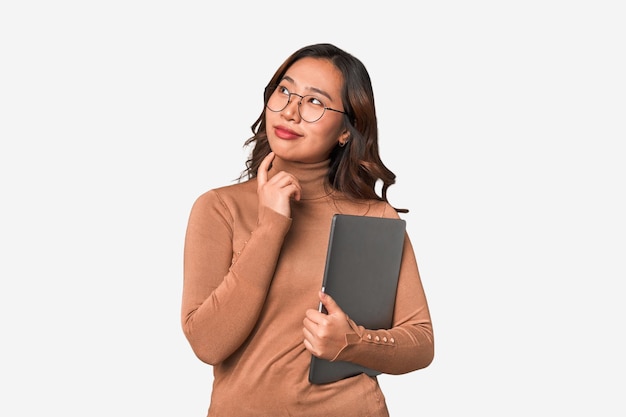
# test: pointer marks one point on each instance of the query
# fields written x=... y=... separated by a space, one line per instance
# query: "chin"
x=290 y=152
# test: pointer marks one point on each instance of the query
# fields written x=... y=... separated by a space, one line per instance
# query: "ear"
x=344 y=137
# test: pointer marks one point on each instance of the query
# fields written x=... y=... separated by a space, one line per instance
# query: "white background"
x=504 y=122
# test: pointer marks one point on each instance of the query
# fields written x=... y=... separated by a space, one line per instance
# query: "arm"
x=407 y=346
x=215 y=320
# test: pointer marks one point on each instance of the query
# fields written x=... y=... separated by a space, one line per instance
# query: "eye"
x=282 y=89
x=313 y=101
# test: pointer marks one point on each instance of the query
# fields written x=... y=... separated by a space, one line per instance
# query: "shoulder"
x=227 y=196
x=383 y=209
x=229 y=191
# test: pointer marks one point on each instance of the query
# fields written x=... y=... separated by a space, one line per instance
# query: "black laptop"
x=361 y=274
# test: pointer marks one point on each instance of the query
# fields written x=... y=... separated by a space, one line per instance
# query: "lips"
x=284 y=133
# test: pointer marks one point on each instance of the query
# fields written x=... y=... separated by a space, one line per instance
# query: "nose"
x=291 y=111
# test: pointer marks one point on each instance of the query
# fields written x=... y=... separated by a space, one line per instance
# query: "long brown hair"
x=355 y=168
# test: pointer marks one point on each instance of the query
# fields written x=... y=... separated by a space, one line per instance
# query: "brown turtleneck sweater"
x=249 y=277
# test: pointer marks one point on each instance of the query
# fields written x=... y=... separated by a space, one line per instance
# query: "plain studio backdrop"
x=505 y=125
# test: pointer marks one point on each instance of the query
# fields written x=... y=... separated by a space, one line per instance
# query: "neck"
x=312 y=177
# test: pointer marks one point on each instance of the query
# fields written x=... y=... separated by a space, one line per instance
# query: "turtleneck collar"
x=312 y=177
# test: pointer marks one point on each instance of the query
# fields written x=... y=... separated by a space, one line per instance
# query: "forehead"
x=315 y=73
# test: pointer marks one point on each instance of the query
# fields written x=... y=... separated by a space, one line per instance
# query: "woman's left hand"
x=325 y=334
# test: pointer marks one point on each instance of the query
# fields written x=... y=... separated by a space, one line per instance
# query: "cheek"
x=330 y=134
x=269 y=122
x=323 y=137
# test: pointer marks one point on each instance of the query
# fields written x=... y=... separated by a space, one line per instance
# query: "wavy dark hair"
x=356 y=168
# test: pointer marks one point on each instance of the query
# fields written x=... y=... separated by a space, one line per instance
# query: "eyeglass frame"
x=273 y=89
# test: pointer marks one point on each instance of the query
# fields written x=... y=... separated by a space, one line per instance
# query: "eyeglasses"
x=310 y=107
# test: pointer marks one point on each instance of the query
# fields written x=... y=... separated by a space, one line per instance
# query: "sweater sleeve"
x=409 y=344
x=217 y=278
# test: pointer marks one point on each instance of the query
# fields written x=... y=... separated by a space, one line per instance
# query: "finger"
x=286 y=180
x=264 y=167
x=309 y=346
x=311 y=319
x=329 y=303
x=307 y=333
x=308 y=340
x=297 y=190
x=283 y=179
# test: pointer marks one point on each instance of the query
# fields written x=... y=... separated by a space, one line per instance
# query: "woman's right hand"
x=277 y=192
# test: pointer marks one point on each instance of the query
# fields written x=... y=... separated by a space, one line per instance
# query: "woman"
x=255 y=253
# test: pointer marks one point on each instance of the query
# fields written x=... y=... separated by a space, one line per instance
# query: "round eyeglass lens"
x=310 y=108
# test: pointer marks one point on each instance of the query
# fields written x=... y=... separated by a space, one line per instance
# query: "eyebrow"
x=311 y=89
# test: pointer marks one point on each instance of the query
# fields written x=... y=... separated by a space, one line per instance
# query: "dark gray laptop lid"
x=361 y=274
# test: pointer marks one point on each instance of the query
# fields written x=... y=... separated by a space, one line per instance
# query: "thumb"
x=263 y=168
x=329 y=303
